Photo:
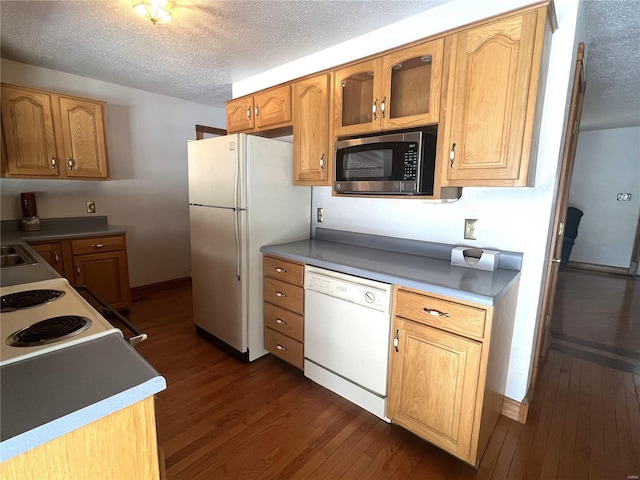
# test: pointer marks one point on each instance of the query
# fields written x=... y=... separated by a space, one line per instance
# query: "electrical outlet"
x=320 y=215
x=471 y=229
x=91 y=206
x=624 y=197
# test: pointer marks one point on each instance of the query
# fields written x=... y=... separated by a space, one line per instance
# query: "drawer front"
x=284 y=321
x=442 y=314
x=283 y=270
x=284 y=347
x=97 y=244
x=283 y=295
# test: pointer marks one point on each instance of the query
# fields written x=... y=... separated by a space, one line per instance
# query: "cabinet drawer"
x=449 y=316
x=283 y=270
x=97 y=244
x=283 y=321
x=284 y=347
x=283 y=295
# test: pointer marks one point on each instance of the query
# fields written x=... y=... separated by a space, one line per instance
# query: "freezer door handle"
x=237 y=234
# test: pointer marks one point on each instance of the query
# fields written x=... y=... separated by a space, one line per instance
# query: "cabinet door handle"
x=281 y=347
x=556 y=260
x=452 y=155
x=280 y=321
x=280 y=294
x=249 y=113
x=382 y=107
x=257 y=111
x=322 y=162
x=396 y=340
x=281 y=270
x=70 y=162
x=374 y=109
x=53 y=162
x=436 y=313
x=98 y=245
x=55 y=256
x=78 y=269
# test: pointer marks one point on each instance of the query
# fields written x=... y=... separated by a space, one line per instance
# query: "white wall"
x=607 y=163
x=516 y=219
x=147 y=144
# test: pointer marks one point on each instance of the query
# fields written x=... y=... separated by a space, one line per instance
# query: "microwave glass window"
x=368 y=164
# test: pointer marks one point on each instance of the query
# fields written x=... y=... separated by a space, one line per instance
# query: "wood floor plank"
x=627 y=460
x=596 y=434
x=568 y=439
x=582 y=452
x=503 y=463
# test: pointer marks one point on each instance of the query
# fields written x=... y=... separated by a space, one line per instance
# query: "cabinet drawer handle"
x=99 y=245
x=281 y=347
x=280 y=321
x=452 y=155
x=280 y=294
x=281 y=270
x=436 y=313
x=53 y=162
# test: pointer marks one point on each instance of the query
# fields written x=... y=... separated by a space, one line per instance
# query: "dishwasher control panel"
x=361 y=291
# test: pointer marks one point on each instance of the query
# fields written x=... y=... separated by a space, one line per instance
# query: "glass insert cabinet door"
x=399 y=90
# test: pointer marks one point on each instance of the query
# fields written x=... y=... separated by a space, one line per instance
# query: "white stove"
x=29 y=328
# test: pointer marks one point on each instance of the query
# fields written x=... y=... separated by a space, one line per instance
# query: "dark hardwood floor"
x=223 y=419
x=596 y=316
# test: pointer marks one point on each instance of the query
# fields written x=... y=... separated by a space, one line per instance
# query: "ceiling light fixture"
x=158 y=11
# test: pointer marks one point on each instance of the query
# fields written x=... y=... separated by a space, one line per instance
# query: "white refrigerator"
x=241 y=196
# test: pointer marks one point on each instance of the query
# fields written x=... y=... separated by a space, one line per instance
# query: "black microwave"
x=394 y=163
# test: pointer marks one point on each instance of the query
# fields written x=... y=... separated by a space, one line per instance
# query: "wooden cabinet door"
x=28 y=133
x=84 y=144
x=52 y=254
x=433 y=382
x=312 y=152
x=106 y=274
x=412 y=80
x=272 y=107
x=240 y=115
x=491 y=101
x=357 y=98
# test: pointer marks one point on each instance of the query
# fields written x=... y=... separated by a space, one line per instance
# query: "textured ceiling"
x=213 y=43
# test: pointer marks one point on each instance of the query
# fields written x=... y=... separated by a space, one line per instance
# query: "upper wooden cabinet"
x=398 y=90
x=48 y=135
x=265 y=110
x=492 y=85
x=312 y=144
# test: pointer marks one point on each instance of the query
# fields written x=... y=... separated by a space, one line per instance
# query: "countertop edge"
x=393 y=279
x=40 y=435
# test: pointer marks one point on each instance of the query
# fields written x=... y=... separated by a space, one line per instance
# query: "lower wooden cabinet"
x=122 y=445
x=448 y=369
x=99 y=263
x=283 y=309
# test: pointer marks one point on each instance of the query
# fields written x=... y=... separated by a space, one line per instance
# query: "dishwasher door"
x=347 y=328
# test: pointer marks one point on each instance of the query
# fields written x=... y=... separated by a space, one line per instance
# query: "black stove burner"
x=49 y=331
x=28 y=298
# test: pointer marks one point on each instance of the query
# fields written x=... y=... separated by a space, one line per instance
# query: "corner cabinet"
x=398 y=90
x=492 y=91
x=448 y=369
x=264 y=110
x=50 y=135
x=99 y=263
x=283 y=294
x=312 y=144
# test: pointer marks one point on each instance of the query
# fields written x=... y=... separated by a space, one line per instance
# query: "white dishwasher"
x=347 y=323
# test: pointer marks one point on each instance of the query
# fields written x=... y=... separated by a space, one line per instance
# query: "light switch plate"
x=91 y=207
x=471 y=229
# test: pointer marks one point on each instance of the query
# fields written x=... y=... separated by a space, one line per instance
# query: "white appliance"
x=347 y=327
x=241 y=197
x=41 y=317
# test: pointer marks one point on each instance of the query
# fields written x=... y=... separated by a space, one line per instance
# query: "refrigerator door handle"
x=237 y=234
